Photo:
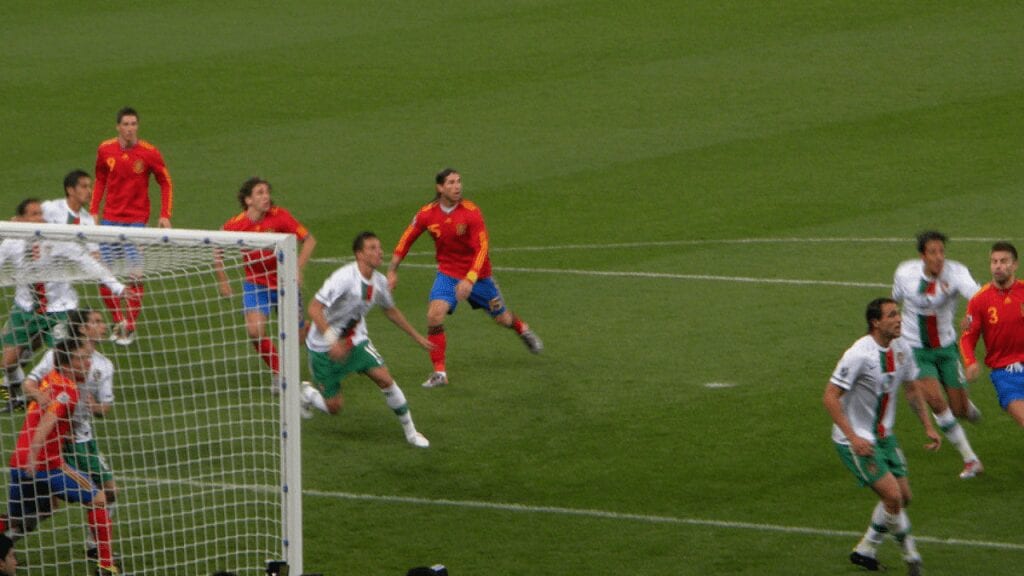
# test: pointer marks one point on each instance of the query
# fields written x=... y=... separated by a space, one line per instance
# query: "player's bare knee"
x=505 y=319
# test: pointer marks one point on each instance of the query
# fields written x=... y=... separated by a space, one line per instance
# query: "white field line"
x=645 y=518
x=580 y=512
x=654 y=275
x=670 y=276
x=668 y=243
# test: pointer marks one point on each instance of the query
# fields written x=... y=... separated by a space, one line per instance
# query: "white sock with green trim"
x=901 y=530
x=396 y=401
x=955 y=434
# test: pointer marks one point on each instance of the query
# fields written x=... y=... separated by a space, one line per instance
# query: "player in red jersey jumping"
x=996 y=313
x=123 y=167
x=463 y=264
x=259 y=291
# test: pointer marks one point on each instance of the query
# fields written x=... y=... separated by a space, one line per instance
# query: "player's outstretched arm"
x=392 y=273
x=398 y=319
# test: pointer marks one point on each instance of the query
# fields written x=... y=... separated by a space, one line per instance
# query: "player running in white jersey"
x=338 y=342
x=96 y=396
x=929 y=289
x=860 y=398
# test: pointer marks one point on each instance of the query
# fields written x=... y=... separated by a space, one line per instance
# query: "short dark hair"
x=5 y=545
x=360 y=240
x=77 y=321
x=444 y=174
x=874 y=311
x=72 y=178
x=929 y=236
x=247 y=187
x=126 y=111
x=1004 y=246
x=24 y=204
x=64 y=349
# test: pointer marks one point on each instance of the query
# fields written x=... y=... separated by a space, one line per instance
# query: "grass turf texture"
x=585 y=123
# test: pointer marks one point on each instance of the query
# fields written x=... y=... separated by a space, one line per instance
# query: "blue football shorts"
x=257 y=297
x=260 y=298
x=110 y=251
x=485 y=294
x=29 y=495
x=1009 y=383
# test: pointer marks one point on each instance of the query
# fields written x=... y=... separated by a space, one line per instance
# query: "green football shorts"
x=329 y=373
x=85 y=456
x=869 y=469
x=22 y=326
x=942 y=364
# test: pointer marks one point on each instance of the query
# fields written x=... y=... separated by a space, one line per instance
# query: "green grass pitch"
x=678 y=193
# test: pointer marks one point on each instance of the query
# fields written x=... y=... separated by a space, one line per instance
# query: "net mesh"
x=194 y=437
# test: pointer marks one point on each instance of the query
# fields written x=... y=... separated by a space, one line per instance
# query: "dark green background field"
x=650 y=143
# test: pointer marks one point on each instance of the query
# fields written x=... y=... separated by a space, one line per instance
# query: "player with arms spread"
x=996 y=313
x=123 y=167
x=339 y=344
x=929 y=288
x=464 y=268
x=860 y=398
x=259 y=291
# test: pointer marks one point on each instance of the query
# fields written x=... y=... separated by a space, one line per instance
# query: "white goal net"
x=204 y=454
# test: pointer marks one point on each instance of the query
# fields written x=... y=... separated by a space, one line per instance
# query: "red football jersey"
x=63 y=394
x=261 y=265
x=460 y=239
x=122 y=176
x=998 y=317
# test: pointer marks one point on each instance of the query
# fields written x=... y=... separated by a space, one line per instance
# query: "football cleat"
x=914 y=568
x=866 y=562
x=275 y=384
x=532 y=342
x=971 y=469
x=436 y=380
x=118 y=329
x=122 y=336
x=973 y=414
x=305 y=404
x=418 y=440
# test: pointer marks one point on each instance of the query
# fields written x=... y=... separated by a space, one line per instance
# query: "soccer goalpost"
x=206 y=458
